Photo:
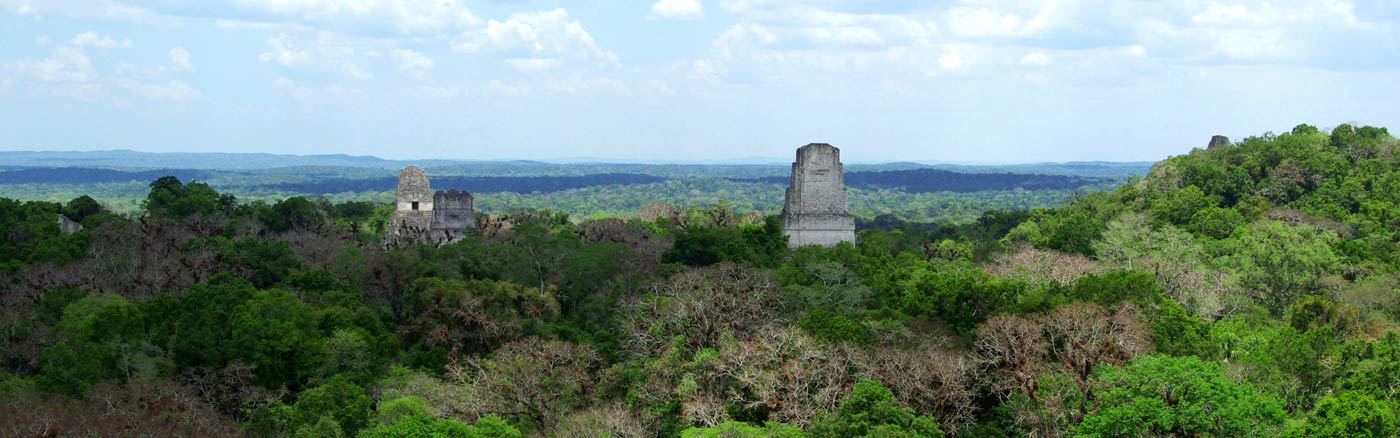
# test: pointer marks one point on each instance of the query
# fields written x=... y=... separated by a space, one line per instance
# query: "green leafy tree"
x=872 y=411
x=82 y=207
x=277 y=334
x=1350 y=414
x=1177 y=396
x=52 y=303
x=263 y=262
x=336 y=399
x=835 y=327
x=761 y=245
x=1280 y=262
x=407 y=417
x=957 y=292
x=171 y=197
x=104 y=338
x=1378 y=371
x=60 y=249
x=290 y=214
x=1215 y=222
x=735 y=429
x=24 y=224
x=1177 y=207
x=352 y=353
x=201 y=332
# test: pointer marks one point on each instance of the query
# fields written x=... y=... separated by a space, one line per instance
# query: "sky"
x=971 y=81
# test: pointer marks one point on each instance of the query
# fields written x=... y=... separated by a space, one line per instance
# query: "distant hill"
x=135 y=161
x=489 y=184
x=936 y=180
x=78 y=175
x=1103 y=169
x=182 y=160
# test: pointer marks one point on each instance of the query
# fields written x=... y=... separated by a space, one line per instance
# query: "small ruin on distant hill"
x=67 y=226
x=1218 y=141
x=815 y=210
x=424 y=216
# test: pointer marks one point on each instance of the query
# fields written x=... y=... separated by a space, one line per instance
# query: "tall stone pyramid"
x=815 y=210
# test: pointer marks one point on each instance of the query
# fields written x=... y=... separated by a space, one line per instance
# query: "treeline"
x=1248 y=290
x=80 y=175
x=321 y=185
x=935 y=180
x=481 y=184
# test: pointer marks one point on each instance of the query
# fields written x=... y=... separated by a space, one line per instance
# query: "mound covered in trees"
x=1244 y=290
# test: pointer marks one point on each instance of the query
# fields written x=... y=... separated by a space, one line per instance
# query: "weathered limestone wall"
x=453 y=216
x=413 y=187
x=815 y=209
x=409 y=224
x=1218 y=141
x=68 y=226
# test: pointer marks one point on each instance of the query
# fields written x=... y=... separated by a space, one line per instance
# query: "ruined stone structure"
x=1218 y=141
x=68 y=226
x=452 y=216
x=421 y=216
x=815 y=210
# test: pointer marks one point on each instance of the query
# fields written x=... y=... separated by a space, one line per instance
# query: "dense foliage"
x=1246 y=290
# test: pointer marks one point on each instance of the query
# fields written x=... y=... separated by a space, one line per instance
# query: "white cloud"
x=504 y=89
x=170 y=91
x=532 y=64
x=310 y=94
x=950 y=61
x=68 y=72
x=428 y=92
x=784 y=44
x=983 y=22
x=677 y=10
x=180 y=59
x=1035 y=59
x=327 y=51
x=580 y=83
x=101 y=10
x=660 y=87
x=406 y=17
x=805 y=43
x=65 y=64
x=548 y=34
x=296 y=91
x=412 y=62
x=285 y=50
x=92 y=39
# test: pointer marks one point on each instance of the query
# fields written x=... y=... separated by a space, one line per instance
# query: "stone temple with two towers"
x=815 y=210
x=424 y=216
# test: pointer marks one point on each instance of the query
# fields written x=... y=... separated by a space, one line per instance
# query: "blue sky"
x=687 y=80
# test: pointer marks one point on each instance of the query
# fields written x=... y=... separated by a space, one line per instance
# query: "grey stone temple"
x=424 y=216
x=815 y=210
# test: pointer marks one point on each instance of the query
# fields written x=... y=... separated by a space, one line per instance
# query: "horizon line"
x=584 y=160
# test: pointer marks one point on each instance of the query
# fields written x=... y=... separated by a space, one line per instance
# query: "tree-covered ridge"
x=587 y=190
x=935 y=180
x=1186 y=303
x=80 y=175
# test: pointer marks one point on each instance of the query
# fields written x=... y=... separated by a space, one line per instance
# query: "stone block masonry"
x=424 y=216
x=452 y=215
x=815 y=209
